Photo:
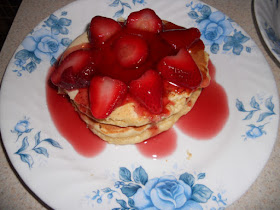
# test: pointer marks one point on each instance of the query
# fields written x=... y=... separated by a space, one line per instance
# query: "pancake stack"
x=125 y=125
x=130 y=122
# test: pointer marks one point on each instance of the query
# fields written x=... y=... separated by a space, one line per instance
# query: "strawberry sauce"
x=159 y=146
x=210 y=112
x=70 y=126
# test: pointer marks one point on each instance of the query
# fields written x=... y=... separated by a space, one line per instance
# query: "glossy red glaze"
x=159 y=146
x=209 y=114
x=70 y=126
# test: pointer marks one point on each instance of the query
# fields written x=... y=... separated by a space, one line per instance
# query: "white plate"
x=267 y=14
x=219 y=171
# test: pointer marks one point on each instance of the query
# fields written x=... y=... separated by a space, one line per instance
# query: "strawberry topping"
x=84 y=77
x=196 y=46
x=148 y=90
x=101 y=29
x=65 y=74
x=68 y=78
x=181 y=38
x=124 y=56
x=105 y=94
x=144 y=20
x=180 y=70
x=131 y=50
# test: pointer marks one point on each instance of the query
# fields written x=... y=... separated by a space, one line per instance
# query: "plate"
x=267 y=15
x=208 y=174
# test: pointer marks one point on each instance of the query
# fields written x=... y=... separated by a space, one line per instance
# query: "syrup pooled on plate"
x=210 y=113
x=70 y=126
x=159 y=146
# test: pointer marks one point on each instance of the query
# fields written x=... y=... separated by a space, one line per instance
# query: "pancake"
x=126 y=124
x=136 y=134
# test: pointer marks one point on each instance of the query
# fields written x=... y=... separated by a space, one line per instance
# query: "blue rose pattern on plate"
x=44 y=44
x=25 y=152
x=255 y=130
x=165 y=192
x=22 y=127
x=216 y=29
x=122 y=4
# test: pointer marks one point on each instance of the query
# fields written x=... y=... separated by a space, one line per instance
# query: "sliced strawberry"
x=68 y=78
x=148 y=90
x=171 y=26
x=101 y=29
x=105 y=94
x=77 y=60
x=84 y=76
x=197 y=46
x=181 y=38
x=180 y=70
x=144 y=20
x=131 y=51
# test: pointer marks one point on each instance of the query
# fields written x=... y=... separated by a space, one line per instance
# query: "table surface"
x=263 y=194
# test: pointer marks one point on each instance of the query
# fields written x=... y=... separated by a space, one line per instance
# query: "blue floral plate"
x=216 y=173
x=267 y=15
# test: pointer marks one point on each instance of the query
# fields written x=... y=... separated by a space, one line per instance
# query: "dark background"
x=8 y=10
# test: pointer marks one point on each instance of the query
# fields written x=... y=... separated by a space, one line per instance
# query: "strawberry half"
x=148 y=90
x=73 y=63
x=84 y=76
x=180 y=70
x=68 y=78
x=105 y=94
x=144 y=20
x=181 y=38
x=101 y=29
x=131 y=50
x=198 y=45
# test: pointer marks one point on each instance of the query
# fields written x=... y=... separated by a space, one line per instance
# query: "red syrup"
x=210 y=112
x=70 y=126
x=159 y=146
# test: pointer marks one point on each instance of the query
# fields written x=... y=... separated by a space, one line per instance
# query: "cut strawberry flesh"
x=180 y=70
x=148 y=90
x=147 y=43
x=181 y=38
x=74 y=69
x=77 y=60
x=68 y=78
x=85 y=75
x=198 y=45
x=144 y=20
x=101 y=29
x=131 y=51
x=171 y=26
x=105 y=94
